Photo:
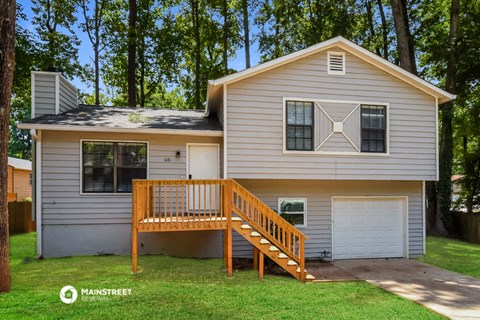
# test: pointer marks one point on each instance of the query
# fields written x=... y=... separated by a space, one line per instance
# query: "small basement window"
x=109 y=167
x=336 y=63
x=295 y=208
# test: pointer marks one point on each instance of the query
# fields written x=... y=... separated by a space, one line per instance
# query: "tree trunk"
x=384 y=29
x=368 y=4
x=431 y=206
x=97 y=74
x=225 y=36
x=7 y=63
x=246 y=32
x=196 y=31
x=444 y=187
x=141 y=60
x=96 y=49
x=467 y=183
x=406 y=53
x=132 y=48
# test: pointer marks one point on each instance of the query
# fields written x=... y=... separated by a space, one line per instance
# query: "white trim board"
x=38 y=192
x=32 y=88
x=424 y=218
x=225 y=135
x=204 y=133
x=57 y=93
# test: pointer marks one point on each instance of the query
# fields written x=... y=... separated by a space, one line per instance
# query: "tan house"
x=19 y=179
x=333 y=136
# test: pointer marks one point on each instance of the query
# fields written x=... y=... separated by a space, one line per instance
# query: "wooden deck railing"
x=187 y=205
x=178 y=205
x=269 y=223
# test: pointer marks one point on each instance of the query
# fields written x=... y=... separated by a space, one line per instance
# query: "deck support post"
x=255 y=258
x=261 y=260
x=134 y=249
x=134 y=226
x=303 y=273
x=225 y=249
x=227 y=206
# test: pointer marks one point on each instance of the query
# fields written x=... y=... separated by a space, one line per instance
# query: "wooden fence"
x=20 y=217
x=467 y=226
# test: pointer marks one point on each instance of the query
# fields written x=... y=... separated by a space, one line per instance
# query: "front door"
x=203 y=163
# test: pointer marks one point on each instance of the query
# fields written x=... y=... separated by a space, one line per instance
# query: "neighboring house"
x=456 y=187
x=333 y=135
x=19 y=179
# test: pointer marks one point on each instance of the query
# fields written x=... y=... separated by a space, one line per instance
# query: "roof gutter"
x=53 y=127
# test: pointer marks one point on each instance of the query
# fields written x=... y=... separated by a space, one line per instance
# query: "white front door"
x=203 y=163
x=369 y=227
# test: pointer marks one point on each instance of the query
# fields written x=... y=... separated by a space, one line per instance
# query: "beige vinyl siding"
x=44 y=91
x=255 y=124
x=68 y=95
x=62 y=202
x=319 y=208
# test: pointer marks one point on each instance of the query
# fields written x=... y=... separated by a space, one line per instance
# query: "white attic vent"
x=336 y=63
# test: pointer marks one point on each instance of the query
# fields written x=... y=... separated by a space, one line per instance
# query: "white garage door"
x=368 y=228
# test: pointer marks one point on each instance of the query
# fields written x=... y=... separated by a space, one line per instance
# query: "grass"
x=454 y=255
x=175 y=288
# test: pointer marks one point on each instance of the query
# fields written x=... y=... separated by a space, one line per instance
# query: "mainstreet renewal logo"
x=69 y=294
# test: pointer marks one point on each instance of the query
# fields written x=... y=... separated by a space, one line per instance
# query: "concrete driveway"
x=445 y=292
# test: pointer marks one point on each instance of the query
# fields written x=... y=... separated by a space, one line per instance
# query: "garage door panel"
x=368 y=228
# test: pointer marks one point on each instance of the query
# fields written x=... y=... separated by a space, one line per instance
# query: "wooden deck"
x=222 y=204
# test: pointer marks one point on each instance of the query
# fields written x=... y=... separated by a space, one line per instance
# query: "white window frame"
x=344 y=67
x=315 y=128
x=117 y=194
x=280 y=199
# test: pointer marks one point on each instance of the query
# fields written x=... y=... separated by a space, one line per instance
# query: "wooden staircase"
x=219 y=204
x=267 y=231
x=265 y=247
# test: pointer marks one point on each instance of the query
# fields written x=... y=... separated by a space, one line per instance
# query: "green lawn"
x=454 y=255
x=173 y=288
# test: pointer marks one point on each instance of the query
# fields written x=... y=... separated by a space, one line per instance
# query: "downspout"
x=37 y=184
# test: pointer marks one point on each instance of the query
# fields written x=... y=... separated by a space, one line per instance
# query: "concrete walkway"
x=448 y=293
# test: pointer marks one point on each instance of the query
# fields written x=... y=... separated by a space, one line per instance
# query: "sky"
x=85 y=51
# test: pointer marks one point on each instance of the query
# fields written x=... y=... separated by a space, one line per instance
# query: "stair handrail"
x=269 y=224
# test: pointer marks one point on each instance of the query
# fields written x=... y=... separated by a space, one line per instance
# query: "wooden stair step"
x=292 y=263
x=282 y=255
x=264 y=241
x=310 y=277
x=273 y=248
x=246 y=226
x=254 y=234
x=236 y=219
x=298 y=269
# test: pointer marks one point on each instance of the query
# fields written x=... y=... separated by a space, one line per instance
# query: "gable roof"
x=20 y=164
x=118 y=119
x=352 y=48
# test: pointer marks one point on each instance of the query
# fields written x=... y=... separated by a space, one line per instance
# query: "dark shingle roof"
x=131 y=118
